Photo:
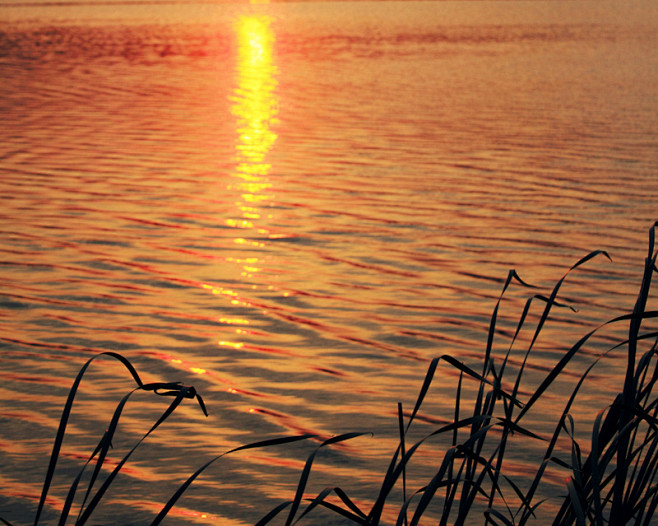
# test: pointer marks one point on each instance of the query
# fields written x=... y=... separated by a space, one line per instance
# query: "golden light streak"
x=255 y=107
x=234 y=345
x=255 y=103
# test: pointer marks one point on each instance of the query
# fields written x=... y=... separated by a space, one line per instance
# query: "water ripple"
x=298 y=226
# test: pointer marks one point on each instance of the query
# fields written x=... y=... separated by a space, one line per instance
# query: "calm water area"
x=294 y=207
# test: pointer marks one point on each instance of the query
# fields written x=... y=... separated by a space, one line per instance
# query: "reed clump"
x=613 y=483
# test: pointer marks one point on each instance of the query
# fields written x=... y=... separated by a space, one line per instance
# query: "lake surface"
x=295 y=207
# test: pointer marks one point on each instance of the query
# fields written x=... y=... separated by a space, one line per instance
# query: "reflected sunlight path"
x=255 y=106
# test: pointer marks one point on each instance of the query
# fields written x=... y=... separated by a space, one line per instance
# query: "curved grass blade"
x=103 y=448
x=651 y=510
x=576 y=504
x=424 y=388
x=470 y=372
x=549 y=451
x=59 y=438
x=101 y=451
x=340 y=511
x=512 y=275
x=356 y=516
x=403 y=450
x=553 y=374
x=619 y=506
x=307 y=470
x=273 y=513
x=263 y=443
x=176 y=389
x=74 y=486
x=348 y=502
x=438 y=479
x=402 y=516
x=393 y=474
x=110 y=478
x=490 y=513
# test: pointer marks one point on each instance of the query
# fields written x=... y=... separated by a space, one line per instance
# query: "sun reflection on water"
x=255 y=106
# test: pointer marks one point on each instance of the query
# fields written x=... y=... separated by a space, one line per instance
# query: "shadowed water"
x=294 y=207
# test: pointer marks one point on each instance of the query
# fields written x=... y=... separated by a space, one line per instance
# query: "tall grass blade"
x=451 y=489
x=596 y=470
x=619 y=508
x=650 y=511
x=389 y=480
x=438 y=479
x=553 y=442
x=403 y=451
x=512 y=275
x=394 y=474
x=576 y=504
x=402 y=516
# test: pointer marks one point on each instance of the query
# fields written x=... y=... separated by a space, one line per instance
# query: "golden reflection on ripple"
x=255 y=106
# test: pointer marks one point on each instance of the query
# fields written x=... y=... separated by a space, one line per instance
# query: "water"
x=294 y=207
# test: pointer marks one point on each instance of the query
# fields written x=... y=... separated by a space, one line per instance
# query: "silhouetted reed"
x=613 y=483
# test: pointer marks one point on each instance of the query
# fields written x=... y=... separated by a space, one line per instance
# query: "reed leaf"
x=179 y=492
x=355 y=515
x=576 y=503
x=490 y=513
x=619 y=509
x=273 y=513
x=61 y=430
x=403 y=450
x=307 y=469
x=184 y=392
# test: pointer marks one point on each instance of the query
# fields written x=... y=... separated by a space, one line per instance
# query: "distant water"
x=294 y=207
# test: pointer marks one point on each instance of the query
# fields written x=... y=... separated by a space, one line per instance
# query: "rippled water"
x=294 y=207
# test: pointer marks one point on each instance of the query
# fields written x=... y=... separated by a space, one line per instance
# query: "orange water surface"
x=294 y=207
